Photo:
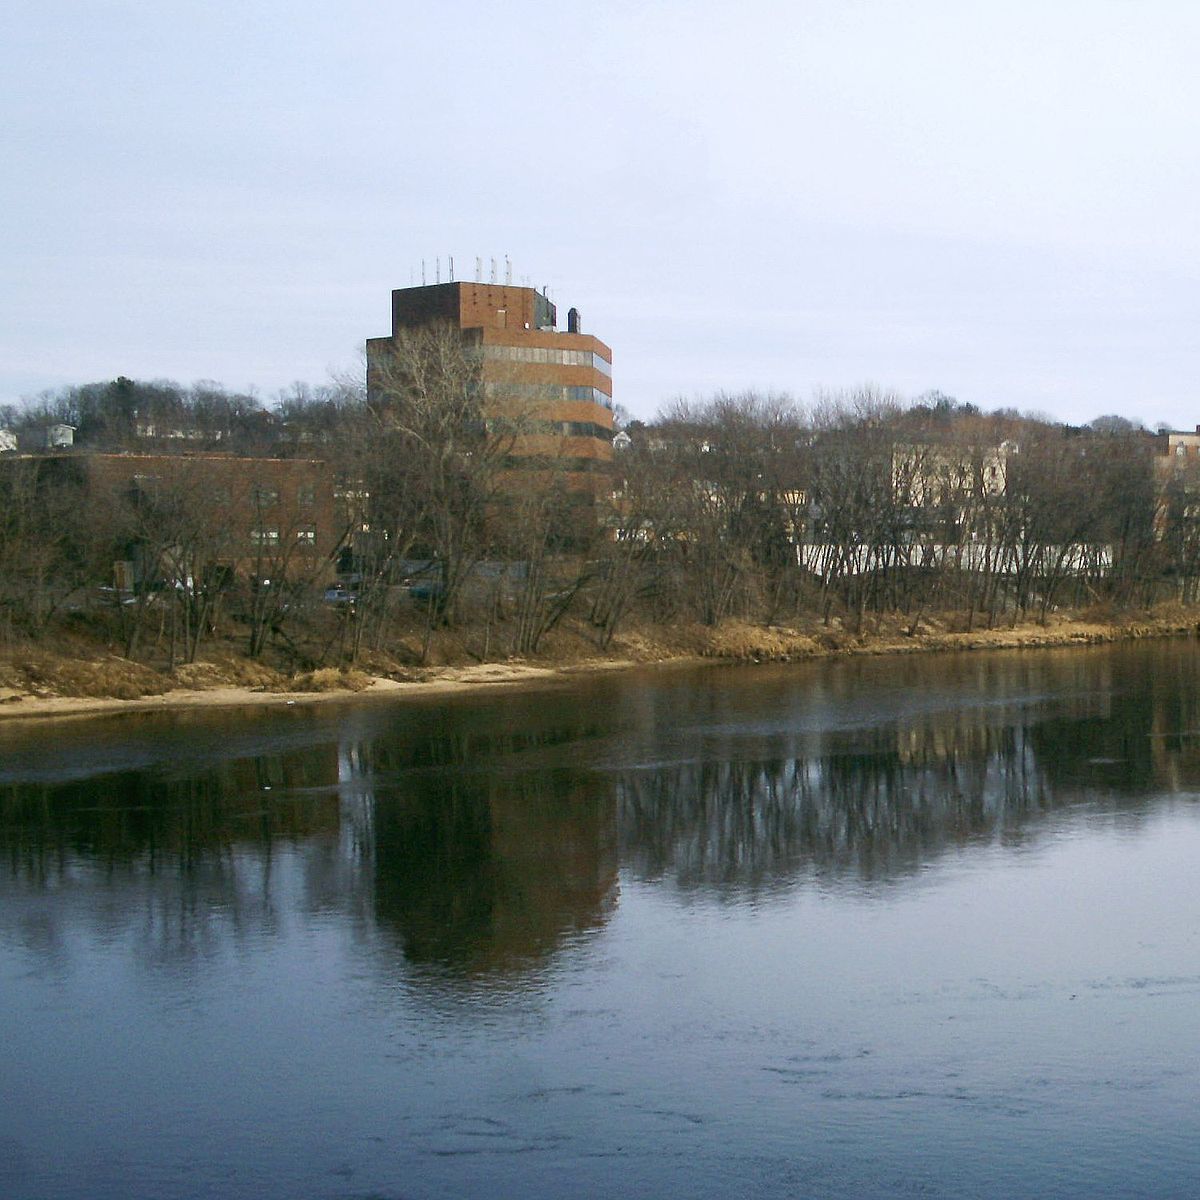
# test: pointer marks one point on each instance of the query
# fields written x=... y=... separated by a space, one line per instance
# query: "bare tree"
x=46 y=551
x=732 y=464
x=427 y=395
x=469 y=445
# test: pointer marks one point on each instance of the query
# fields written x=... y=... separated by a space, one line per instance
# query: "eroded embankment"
x=40 y=683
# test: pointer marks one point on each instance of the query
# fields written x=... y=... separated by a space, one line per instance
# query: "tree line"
x=748 y=506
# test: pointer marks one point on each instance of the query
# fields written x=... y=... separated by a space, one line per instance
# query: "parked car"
x=340 y=595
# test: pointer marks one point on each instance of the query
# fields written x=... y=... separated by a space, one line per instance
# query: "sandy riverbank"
x=14 y=705
x=731 y=642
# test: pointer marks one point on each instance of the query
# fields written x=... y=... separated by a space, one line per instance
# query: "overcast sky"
x=997 y=200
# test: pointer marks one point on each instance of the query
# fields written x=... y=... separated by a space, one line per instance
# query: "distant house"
x=1177 y=477
x=149 y=431
x=60 y=437
x=933 y=474
x=1177 y=448
x=8 y=440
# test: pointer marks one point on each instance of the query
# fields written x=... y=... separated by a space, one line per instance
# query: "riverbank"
x=43 y=684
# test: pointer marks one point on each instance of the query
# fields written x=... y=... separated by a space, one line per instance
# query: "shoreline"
x=454 y=680
x=740 y=645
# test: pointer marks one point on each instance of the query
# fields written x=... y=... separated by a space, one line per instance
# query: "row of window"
x=551 y=393
x=268 y=535
x=260 y=497
x=306 y=494
x=557 y=462
x=588 y=429
x=546 y=354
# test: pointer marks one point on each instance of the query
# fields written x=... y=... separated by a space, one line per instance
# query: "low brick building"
x=249 y=515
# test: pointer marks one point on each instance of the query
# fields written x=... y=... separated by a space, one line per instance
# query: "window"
x=265 y=536
x=306 y=536
x=306 y=495
x=548 y=392
x=263 y=496
x=549 y=355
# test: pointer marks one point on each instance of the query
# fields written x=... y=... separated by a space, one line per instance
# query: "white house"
x=58 y=437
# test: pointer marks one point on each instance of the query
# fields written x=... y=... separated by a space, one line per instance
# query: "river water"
x=924 y=926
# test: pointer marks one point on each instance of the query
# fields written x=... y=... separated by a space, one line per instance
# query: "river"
x=915 y=926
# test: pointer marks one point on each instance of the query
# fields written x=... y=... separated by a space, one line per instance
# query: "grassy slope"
x=89 y=670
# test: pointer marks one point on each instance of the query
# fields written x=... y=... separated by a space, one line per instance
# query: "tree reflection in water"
x=478 y=839
x=863 y=807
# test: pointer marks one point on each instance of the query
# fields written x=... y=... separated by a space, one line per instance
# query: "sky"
x=996 y=200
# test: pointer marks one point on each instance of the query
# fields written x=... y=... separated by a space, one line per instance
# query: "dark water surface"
x=924 y=927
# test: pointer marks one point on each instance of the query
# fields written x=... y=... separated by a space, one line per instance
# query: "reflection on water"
x=608 y=936
x=484 y=836
x=489 y=875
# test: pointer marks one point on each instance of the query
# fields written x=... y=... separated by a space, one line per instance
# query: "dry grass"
x=257 y=676
x=79 y=669
x=329 y=679
x=777 y=643
x=228 y=671
x=108 y=677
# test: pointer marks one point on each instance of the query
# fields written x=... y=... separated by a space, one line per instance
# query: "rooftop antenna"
x=507 y=272
x=478 y=269
x=452 y=268
x=493 y=270
x=422 y=272
x=438 y=269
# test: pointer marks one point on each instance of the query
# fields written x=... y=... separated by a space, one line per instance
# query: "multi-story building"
x=559 y=384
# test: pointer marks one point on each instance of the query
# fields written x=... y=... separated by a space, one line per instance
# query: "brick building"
x=251 y=515
x=1177 y=448
x=1177 y=481
x=561 y=382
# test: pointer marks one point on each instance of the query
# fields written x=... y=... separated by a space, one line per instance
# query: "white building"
x=59 y=437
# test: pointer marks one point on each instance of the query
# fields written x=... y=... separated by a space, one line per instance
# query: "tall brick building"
x=560 y=381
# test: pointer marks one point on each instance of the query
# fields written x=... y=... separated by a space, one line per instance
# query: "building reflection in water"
x=479 y=840
x=481 y=866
